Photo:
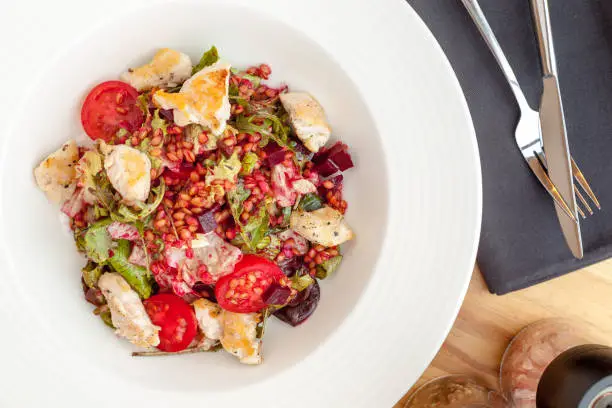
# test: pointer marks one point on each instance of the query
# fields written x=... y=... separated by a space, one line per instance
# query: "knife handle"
x=541 y=18
x=487 y=34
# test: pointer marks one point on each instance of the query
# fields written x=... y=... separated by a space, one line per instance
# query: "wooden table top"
x=486 y=323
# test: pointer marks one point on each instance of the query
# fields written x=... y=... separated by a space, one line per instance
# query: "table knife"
x=552 y=130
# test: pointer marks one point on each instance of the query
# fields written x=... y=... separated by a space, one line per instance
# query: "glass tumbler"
x=455 y=391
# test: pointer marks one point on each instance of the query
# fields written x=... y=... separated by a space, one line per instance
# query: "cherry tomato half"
x=175 y=317
x=242 y=290
x=110 y=106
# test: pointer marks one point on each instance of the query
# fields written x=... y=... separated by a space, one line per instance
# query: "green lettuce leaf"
x=279 y=132
x=236 y=198
x=208 y=58
x=272 y=248
x=300 y=283
x=105 y=315
x=79 y=240
x=143 y=104
x=193 y=131
x=98 y=242
x=88 y=167
x=226 y=169
x=100 y=212
x=310 y=202
x=91 y=273
x=328 y=267
x=264 y=242
x=159 y=123
x=286 y=215
x=248 y=163
x=234 y=91
x=261 y=326
x=129 y=215
x=103 y=192
x=137 y=276
x=257 y=227
x=253 y=234
x=120 y=133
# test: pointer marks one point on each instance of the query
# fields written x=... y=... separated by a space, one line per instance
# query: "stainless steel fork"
x=527 y=131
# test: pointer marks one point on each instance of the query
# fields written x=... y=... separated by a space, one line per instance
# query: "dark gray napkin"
x=521 y=241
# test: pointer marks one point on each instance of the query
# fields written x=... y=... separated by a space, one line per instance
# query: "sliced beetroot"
x=276 y=294
x=291 y=266
x=336 y=158
x=326 y=168
x=301 y=296
x=274 y=154
x=342 y=159
x=207 y=221
x=302 y=310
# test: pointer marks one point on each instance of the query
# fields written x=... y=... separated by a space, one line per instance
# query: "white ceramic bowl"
x=414 y=202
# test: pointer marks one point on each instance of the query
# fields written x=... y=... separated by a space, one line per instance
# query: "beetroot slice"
x=276 y=294
x=343 y=160
x=330 y=161
x=274 y=154
x=298 y=314
x=326 y=168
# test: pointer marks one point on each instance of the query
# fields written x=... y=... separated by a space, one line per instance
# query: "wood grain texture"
x=486 y=323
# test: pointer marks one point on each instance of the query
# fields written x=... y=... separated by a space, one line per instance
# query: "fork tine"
x=583 y=200
x=581 y=212
x=579 y=176
x=537 y=168
x=585 y=185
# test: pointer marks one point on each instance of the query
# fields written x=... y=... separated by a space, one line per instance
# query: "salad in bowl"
x=205 y=203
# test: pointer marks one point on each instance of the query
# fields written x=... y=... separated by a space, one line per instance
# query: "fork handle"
x=483 y=26
x=541 y=18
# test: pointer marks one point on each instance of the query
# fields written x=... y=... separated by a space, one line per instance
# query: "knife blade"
x=553 y=132
x=558 y=160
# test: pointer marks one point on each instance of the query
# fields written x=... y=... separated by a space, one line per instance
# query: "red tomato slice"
x=242 y=290
x=110 y=106
x=175 y=317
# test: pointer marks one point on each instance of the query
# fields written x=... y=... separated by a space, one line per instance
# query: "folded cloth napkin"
x=521 y=241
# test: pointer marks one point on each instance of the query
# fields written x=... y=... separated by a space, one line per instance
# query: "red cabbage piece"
x=167 y=114
x=276 y=294
x=299 y=147
x=207 y=221
x=291 y=266
x=274 y=154
x=303 y=309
